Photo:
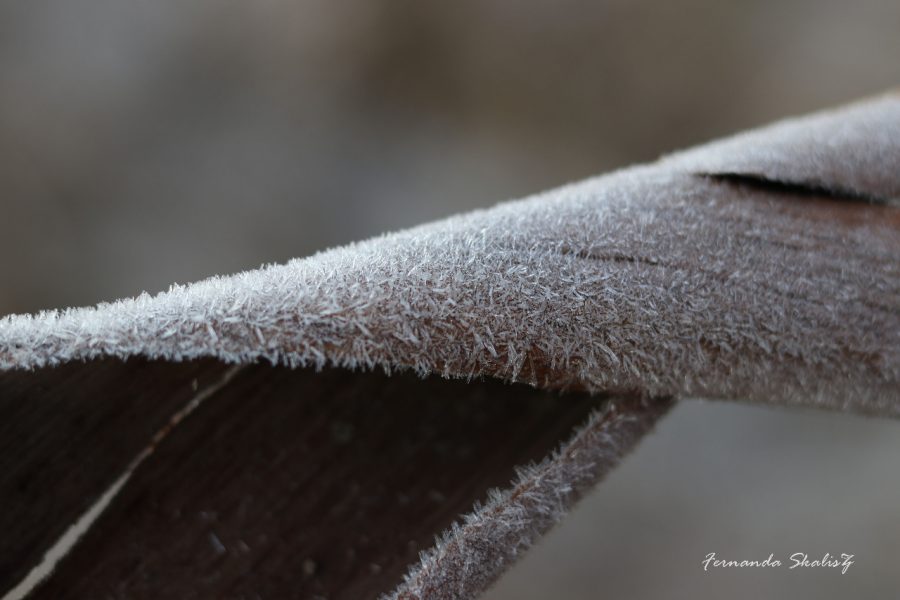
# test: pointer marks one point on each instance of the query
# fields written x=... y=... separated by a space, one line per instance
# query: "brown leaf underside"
x=284 y=483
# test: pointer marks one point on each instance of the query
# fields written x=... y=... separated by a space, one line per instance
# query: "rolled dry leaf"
x=307 y=429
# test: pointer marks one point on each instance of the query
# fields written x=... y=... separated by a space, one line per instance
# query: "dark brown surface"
x=67 y=433
x=296 y=484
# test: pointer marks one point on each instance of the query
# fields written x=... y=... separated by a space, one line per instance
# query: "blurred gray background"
x=145 y=143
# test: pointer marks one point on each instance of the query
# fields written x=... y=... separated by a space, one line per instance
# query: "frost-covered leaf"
x=764 y=268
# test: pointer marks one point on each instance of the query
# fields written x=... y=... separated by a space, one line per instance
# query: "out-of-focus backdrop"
x=147 y=143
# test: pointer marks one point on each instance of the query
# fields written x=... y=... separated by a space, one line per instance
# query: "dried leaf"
x=763 y=268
